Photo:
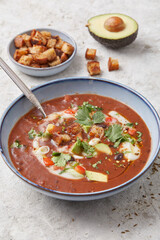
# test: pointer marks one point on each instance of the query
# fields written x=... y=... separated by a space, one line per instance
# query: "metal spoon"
x=27 y=92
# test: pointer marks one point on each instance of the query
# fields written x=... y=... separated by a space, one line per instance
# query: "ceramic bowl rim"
x=103 y=192
x=47 y=68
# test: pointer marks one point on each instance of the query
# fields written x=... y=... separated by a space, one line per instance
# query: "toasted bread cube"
x=33 y=33
x=93 y=68
x=50 y=128
x=35 y=65
x=20 y=52
x=113 y=64
x=50 y=54
x=26 y=60
x=67 y=48
x=55 y=62
x=51 y=43
x=46 y=35
x=40 y=59
x=64 y=57
x=27 y=40
x=19 y=41
x=36 y=49
x=38 y=39
x=90 y=54
x=59 y=43
x=58 y=52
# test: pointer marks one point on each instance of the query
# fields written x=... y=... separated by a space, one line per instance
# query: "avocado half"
x=113 y=39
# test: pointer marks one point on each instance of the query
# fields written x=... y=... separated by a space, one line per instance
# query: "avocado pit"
x=114 y=24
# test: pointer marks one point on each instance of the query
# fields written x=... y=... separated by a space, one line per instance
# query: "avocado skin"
x=118 y=43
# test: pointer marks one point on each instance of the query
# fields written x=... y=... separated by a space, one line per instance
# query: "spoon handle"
x=27 y=92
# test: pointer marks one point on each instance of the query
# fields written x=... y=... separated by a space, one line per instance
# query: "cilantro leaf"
x=114 y=132
x=61 y=160
x=89 y=150
x=83 y=116
x=90 y=107
x=98 y=117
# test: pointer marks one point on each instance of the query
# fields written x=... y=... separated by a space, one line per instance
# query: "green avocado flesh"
x=113 y=39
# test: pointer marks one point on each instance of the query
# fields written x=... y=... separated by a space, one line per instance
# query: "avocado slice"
x=86 y=128
x=77 y=148
x=96 y=176
x=100 y=30
x=101 y=147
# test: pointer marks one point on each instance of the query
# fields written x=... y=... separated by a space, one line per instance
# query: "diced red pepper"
x=69 y=111
x=132 y=131
x=80 y=169
x=111 y=120
x=47 y=161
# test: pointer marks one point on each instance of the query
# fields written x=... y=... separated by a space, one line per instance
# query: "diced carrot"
x=69 y=111
x=47 y=161
x=132 y=131
x=111 y=120
x=80 y=169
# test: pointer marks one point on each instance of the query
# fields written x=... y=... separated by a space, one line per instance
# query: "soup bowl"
x=61 y=87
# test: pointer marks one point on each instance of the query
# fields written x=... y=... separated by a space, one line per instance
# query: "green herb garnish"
x=16 y=144
x=83 y=114
x=32 y=134
x=61 y=159
x=115 y=135
x=139 y=136
x=107 y=172
x=95 y=164
x=136 y=123
x=129 y=124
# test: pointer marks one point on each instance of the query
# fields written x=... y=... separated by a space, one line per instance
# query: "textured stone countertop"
x=132 y=214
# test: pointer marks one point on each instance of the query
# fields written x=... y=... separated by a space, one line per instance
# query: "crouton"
x=96 y=131
x=27 y=40
x=36 y=49
x=20 y=52
x=55 y=62
x=38 y=39
x=46 y=35
x=26 y=60
x=50 y=54
x=61 y=138
x=40 y=59
x=19 y=41
x=74 y=128
x=113 y=64
x=93 y=68
x=33 y=33
x=59 y=42
x=67 y=48
x=51 y=43
x=90 y=54
x=64 y=57
x=50 y=128
x=58 y=52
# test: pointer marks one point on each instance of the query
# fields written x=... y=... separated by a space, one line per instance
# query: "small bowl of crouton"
x=42 y=52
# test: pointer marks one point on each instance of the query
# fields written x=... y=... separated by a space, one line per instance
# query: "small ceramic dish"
x=43 y=72
x=61 y=87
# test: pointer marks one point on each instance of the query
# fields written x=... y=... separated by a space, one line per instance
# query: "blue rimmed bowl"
x=61 y=87
x=43 y=72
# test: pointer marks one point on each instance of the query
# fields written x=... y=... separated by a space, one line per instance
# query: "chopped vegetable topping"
x=61 y=159
x=16 y=144
x=32 y=134
x=95 y=164
x=129 y=124
x=139 y=136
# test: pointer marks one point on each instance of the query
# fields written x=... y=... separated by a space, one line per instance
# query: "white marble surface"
x=25 y=214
